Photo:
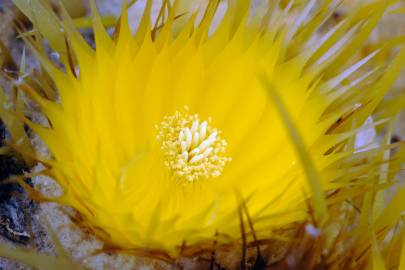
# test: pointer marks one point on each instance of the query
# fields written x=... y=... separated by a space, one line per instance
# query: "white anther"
x=183 y=145
x=196 y=140
x=206 y=152
x=196 y=158
x=211 y=139
x=181 y=136
x=195 y=125
x=207 y=143
x=195 y=151
x=203 y=130
x=189 y=138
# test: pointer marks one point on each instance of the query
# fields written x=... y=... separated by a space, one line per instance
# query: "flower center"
x=192 y=149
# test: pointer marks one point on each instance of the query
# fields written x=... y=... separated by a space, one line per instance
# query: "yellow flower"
x=160 y=139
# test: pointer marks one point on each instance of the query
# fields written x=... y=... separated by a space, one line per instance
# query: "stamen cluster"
x=192 y=149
